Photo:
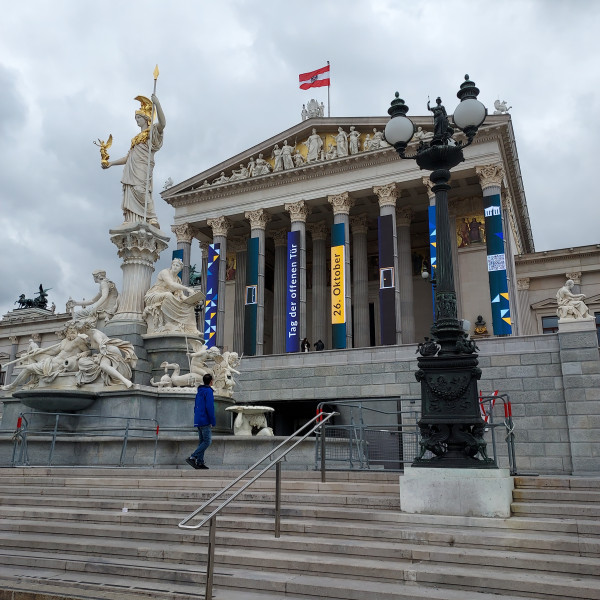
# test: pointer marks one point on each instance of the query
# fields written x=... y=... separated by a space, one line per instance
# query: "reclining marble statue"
x=167 y=307
x=85 y=355
x=571 y=306
x=102 y=307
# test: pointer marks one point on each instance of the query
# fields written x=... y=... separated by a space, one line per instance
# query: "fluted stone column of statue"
x=184 y=234
x=258 y=223
x=14 y=345
x=240 y=247
x=139 y=246
x=341 y=204
x=404 y=217
x=298 y=214
x=279 y=290
x=220 y=227
x=360 y=280
x=387 y=196
x=528 y=326
x=320 y=308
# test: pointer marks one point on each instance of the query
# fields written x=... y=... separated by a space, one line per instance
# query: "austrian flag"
x=318 y=78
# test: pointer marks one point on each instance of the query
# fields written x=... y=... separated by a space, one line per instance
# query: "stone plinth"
x=459 y=492
x=171 y=348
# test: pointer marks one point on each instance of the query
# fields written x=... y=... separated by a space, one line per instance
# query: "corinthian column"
x=258 y=223
x=524 y=320
x=360 y=280
x=298 y=214
x=341 y=204
x=387 y=196
x=279 y=290
x=403 y=218
x=139 y=246
x=320 y=310
x=220 y=226
x=239 y=246
x=14 y=346
x=184 y=234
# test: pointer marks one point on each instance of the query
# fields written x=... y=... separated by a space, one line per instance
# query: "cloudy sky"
x=69 y=70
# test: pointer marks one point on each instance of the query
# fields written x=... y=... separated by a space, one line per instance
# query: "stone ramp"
x=63 y=531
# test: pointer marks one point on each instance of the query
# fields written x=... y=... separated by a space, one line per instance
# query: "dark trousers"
x=205 y=440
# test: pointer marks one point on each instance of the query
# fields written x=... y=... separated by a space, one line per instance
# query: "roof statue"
x=501 y=108
x=40 y=302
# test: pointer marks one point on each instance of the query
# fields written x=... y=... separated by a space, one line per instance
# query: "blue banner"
x=338 y=286
x=212 y=289
x=496 y=260
x=292 y=306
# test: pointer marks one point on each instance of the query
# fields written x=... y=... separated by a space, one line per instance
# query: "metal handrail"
x=321 y=419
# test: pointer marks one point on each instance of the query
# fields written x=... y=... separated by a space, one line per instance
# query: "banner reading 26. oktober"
x=338 y=287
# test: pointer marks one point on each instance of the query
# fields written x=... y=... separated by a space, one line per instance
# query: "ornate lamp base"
x=451 y=425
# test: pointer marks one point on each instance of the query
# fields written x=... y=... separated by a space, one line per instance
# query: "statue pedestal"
x=458 y=492
x=139 y=245
x=168 y=347
x=570 y=325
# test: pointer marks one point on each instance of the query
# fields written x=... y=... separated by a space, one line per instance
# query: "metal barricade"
x=127 y=428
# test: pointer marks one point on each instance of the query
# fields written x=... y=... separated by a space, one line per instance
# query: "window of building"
x=549 y=324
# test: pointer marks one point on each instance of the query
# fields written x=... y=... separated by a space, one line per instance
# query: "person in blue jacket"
x=204 y=420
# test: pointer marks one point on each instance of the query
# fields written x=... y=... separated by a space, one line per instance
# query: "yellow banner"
x=338 y=296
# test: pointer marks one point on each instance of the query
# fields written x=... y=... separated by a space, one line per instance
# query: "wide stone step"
x=287 y=570
x=557 y=495
x=557 y=509
x=94 y=586
x=558 y=482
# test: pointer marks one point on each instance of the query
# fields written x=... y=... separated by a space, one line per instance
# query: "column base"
x=457 y=492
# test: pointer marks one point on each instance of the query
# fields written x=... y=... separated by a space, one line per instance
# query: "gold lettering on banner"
x=338 y=297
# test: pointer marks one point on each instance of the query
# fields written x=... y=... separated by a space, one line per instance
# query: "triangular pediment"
x=551 y=302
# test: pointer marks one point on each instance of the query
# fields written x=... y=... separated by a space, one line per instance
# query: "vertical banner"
x=387 y=285
x=212 y=289
x=250 y=299
x=179 y=254
x=338 y=286
x=496 y=261
x=292 y=305
x=432 y=251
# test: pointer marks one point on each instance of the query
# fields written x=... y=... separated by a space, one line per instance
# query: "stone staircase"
x=64 y=533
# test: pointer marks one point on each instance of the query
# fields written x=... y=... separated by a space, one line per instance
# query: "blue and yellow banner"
x=432 y=251
x=496 y=263
x=338 y=286
x=212 y=292
x=292 y=306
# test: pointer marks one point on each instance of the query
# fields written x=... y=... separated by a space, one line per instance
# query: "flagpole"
x=328 y=103
x=155 y=73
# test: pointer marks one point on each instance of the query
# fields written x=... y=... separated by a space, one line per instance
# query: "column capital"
x=299 y=211
x=386 y=194
x=575 y=276
x=237 y=244
x=404 y=215
x=258 y=218
x=13 y=339
x=490 y=175
x=203 y=247
x=279 y=237
x=36 y=337
x=319 y=231
x=220 y=226
x=183 y=232
x=523 y=284
x=429 y=185
x=359 y=223
x=341 y=203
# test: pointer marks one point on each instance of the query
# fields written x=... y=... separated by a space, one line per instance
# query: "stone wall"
x=550 y=426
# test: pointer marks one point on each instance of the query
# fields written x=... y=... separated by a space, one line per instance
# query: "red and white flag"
x=318 y=78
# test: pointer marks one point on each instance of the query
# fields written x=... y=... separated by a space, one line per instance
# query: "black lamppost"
x=451 y=425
